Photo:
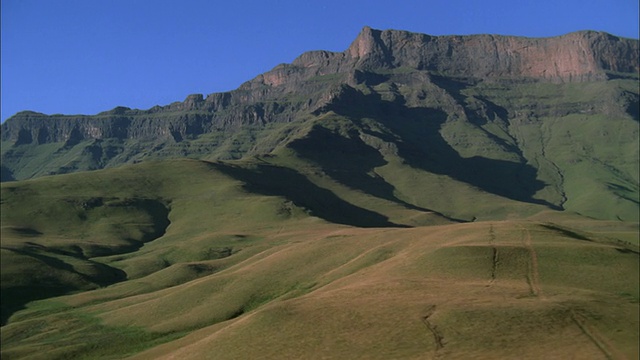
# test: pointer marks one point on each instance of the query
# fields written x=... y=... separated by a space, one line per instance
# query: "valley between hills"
x=412 y=197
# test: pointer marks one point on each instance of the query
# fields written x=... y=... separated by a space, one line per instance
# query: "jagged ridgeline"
x=545 y=121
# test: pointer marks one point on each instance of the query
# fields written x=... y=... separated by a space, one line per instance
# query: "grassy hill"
x=198 y=259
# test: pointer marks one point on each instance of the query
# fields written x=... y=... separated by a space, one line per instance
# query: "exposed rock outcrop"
x=579 y=56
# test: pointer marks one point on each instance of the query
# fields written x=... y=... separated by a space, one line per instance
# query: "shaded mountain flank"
x=547 y=121
x=62 y=239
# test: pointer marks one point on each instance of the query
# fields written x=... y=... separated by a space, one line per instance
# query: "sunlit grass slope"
x=54 y=226
x=54 y=229
x=494 y=289
x=226 y=260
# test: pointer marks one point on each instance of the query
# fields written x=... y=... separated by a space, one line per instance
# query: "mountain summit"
x=579 y=56
x=520 y=118
x=576 y=57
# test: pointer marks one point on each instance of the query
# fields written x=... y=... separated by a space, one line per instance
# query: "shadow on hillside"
x=278 y=181
x=351 y=162
x=6 y=174
x=53 y=276
x=421 y=146
x=14 y=298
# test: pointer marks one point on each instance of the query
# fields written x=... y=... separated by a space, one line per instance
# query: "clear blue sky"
x=87 y=56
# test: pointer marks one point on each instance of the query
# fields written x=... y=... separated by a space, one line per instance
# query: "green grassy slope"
x=63 y=222
x=56 y=225
x=581 y=138
x=491 y=293
x=483 y=290
x=196 y=259
x=571 y=146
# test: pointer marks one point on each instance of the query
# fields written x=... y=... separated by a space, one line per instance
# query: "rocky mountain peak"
x=367 y=42
x=579 y=56
x=397 y=65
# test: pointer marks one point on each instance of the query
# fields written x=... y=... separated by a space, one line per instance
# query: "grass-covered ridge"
x=214 y=255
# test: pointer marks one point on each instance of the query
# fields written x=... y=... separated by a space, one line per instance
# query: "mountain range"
x=465 y=107
x=308 y=190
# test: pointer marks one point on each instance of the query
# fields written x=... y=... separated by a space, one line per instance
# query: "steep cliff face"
x=300 y=86
x=579 y=56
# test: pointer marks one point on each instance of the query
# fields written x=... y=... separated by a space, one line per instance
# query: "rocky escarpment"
x=289 y=88
x=290 y=92
x=580 y=56
x=575 y=57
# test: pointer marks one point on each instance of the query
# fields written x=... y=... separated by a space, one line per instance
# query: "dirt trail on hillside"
x=533 y=275
x=607 y=348
x=495 y=255
x=433 y=329
x=533 y=279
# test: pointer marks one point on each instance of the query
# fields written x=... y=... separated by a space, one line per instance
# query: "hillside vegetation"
x=229 y=260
